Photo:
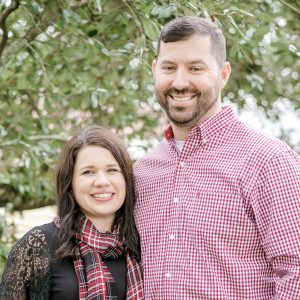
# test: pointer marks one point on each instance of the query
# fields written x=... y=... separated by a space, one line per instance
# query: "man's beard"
x=192 y=115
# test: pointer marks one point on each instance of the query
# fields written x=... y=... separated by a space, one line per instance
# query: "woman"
x=91 y=250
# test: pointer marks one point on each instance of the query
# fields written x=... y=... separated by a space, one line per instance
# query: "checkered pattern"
x=94 y=278
x=220 y=220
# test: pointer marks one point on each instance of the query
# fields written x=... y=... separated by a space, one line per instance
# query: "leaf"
x=99 y=6
x=3 y=132
x=238 y=10
x=163 y=11
x=134 y=63
x=94 y=99
x=206 y=14
x=245 y=54
x=187 y=11
x=151 y=29
x=69 y=14
x=231 y=20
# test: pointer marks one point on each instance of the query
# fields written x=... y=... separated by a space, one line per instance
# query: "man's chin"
x=180 y=122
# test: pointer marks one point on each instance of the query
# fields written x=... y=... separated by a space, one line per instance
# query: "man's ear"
x=225 y=74
x=154 y=66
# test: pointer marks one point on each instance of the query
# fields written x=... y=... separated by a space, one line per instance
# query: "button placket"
x=204 y=141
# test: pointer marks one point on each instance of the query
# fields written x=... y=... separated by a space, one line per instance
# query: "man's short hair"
x=183 y=28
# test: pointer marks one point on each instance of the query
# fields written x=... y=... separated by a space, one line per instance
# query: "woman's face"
x=98 y=185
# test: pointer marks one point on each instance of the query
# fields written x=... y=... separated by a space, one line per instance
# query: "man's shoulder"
x=258 y=141
x=157 y=153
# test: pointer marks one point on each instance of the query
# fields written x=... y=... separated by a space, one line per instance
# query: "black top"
x=32 y=270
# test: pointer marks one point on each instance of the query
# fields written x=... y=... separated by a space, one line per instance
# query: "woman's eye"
x=87 y=172
x=113 y=170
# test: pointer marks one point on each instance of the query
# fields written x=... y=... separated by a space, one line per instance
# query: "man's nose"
x=180 y=81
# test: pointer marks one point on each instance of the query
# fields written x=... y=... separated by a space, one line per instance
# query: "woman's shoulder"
x=27 y=266
x=37 y=239
x=49 y=229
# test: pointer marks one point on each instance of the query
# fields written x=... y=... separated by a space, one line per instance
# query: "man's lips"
x=182 y=98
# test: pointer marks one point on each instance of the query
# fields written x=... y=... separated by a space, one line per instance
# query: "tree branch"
x=50 y=13
x=290 y=6
x=3 y=25
x=35 y=108
x=16 y=142
x=80 y=4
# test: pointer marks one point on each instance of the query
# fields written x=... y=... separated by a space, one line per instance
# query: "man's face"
x=188 y=80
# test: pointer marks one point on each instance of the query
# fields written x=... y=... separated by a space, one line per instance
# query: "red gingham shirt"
x=220 y=220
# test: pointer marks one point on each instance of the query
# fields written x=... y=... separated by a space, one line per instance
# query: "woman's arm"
x=27 y=268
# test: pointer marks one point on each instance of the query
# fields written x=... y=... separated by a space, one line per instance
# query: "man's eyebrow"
x=193 y=62
x=197 y=62
x=167 y=62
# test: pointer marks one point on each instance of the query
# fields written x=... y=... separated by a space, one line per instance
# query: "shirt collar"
x=210 y=126
x=169 y=134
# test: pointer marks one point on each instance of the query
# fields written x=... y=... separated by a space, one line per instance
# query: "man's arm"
x=276 y=205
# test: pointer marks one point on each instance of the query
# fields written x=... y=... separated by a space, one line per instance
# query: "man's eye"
x=168 y=68
x=196 y=69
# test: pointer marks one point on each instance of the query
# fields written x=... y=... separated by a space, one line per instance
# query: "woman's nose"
x=101 y=179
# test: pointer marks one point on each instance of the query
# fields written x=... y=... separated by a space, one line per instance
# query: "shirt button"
x=204 y=141
x=182 y=163
x=168 y=275
x=171 y=236
x=176 y=200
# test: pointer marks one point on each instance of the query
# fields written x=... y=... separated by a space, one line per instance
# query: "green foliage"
x=7 y=234
x=67 y=64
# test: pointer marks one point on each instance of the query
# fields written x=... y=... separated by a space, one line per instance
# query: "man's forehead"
x=195 y=37
x=199 y=41
x=191 y=49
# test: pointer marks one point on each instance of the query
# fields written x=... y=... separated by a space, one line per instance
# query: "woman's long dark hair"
x=68 y=209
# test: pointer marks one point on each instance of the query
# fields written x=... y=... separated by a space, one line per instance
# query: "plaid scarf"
x=94 y=278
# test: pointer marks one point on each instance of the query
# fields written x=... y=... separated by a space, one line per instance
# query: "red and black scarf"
x=94 y=278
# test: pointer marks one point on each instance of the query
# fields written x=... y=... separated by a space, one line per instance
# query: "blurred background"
x=66 y=64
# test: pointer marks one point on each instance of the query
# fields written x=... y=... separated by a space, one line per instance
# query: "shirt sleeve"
x=276 y=206
x=26 y=267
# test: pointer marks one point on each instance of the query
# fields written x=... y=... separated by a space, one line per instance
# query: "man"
x=218 y=203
